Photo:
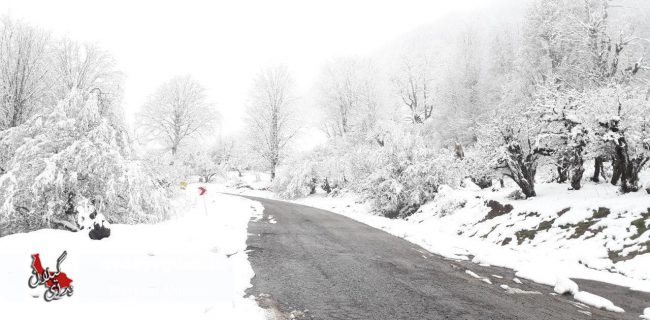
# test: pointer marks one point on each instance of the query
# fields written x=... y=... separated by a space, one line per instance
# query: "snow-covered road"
x=193 y=266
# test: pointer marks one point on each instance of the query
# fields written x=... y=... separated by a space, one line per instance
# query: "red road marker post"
x=202 y=192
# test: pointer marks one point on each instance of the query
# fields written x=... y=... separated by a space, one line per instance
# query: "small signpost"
x=202 y=192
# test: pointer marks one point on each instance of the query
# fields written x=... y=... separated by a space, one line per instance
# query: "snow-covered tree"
x=413 y=81
x=176 y=112
x=550 y=52
x=613 y=58
x=569 y=51
x=512 y=139
x=551 y=41
x=86 y=67
x=349 y=97
x=206 y=164
x=271 y=115
x=566 y=131
x=23 y=71
x=621 y=116
x=464 y=88
x=67 y=153
x=235 y=154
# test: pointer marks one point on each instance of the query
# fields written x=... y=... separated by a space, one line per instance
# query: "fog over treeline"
x=552 y=85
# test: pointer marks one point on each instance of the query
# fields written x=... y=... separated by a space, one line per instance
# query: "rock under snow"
x=89 y=219
x=565 y=286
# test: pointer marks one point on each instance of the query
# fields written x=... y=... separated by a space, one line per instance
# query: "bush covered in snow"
x=396 y=175
x=404 y=179
x=296 y=181
x=67 y=152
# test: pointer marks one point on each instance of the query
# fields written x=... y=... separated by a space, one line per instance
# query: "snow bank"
x=567 y=286
x=596 y=301
x=191 y=267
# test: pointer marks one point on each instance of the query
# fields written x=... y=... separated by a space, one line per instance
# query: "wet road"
x=314 y=264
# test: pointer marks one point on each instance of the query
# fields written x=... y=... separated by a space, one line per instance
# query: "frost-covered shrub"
x=298 y=181
x=67 y=152
x=397 y=171
x=170 y=169
x=344 y=163
x=408 y=174
x=399 y=188
x=477 y=166
x=448 y=201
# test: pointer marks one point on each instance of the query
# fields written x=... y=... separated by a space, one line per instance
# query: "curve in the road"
x=314 y=264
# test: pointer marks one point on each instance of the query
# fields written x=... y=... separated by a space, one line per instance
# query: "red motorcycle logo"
x=57 y=284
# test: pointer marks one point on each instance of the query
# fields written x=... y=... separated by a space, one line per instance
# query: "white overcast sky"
x=224 y=43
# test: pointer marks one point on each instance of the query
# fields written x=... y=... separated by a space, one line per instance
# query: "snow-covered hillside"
x=193 y=266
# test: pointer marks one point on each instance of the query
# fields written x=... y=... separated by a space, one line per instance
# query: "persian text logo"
x=57 y=284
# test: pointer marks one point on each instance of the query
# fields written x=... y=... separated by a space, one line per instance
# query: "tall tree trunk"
x=576 y=167
x=562 y=172
x=631 y=174
x=619 y=163
x=174 y=150
x=458 y=150
x=529 y=173
x=527 y=188
x=625 y=169
x=576 y=177
x=598 y=169
x=326 y=186
x=522 y=170
x=274 y=164
x=15 y=118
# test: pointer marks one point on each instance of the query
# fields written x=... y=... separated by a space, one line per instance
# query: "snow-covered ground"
x=193 y=266
x=594 y=233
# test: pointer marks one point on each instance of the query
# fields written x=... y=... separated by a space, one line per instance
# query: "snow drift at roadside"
x=192 y=267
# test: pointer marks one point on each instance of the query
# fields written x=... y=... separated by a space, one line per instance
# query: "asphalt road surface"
x=314 y=264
